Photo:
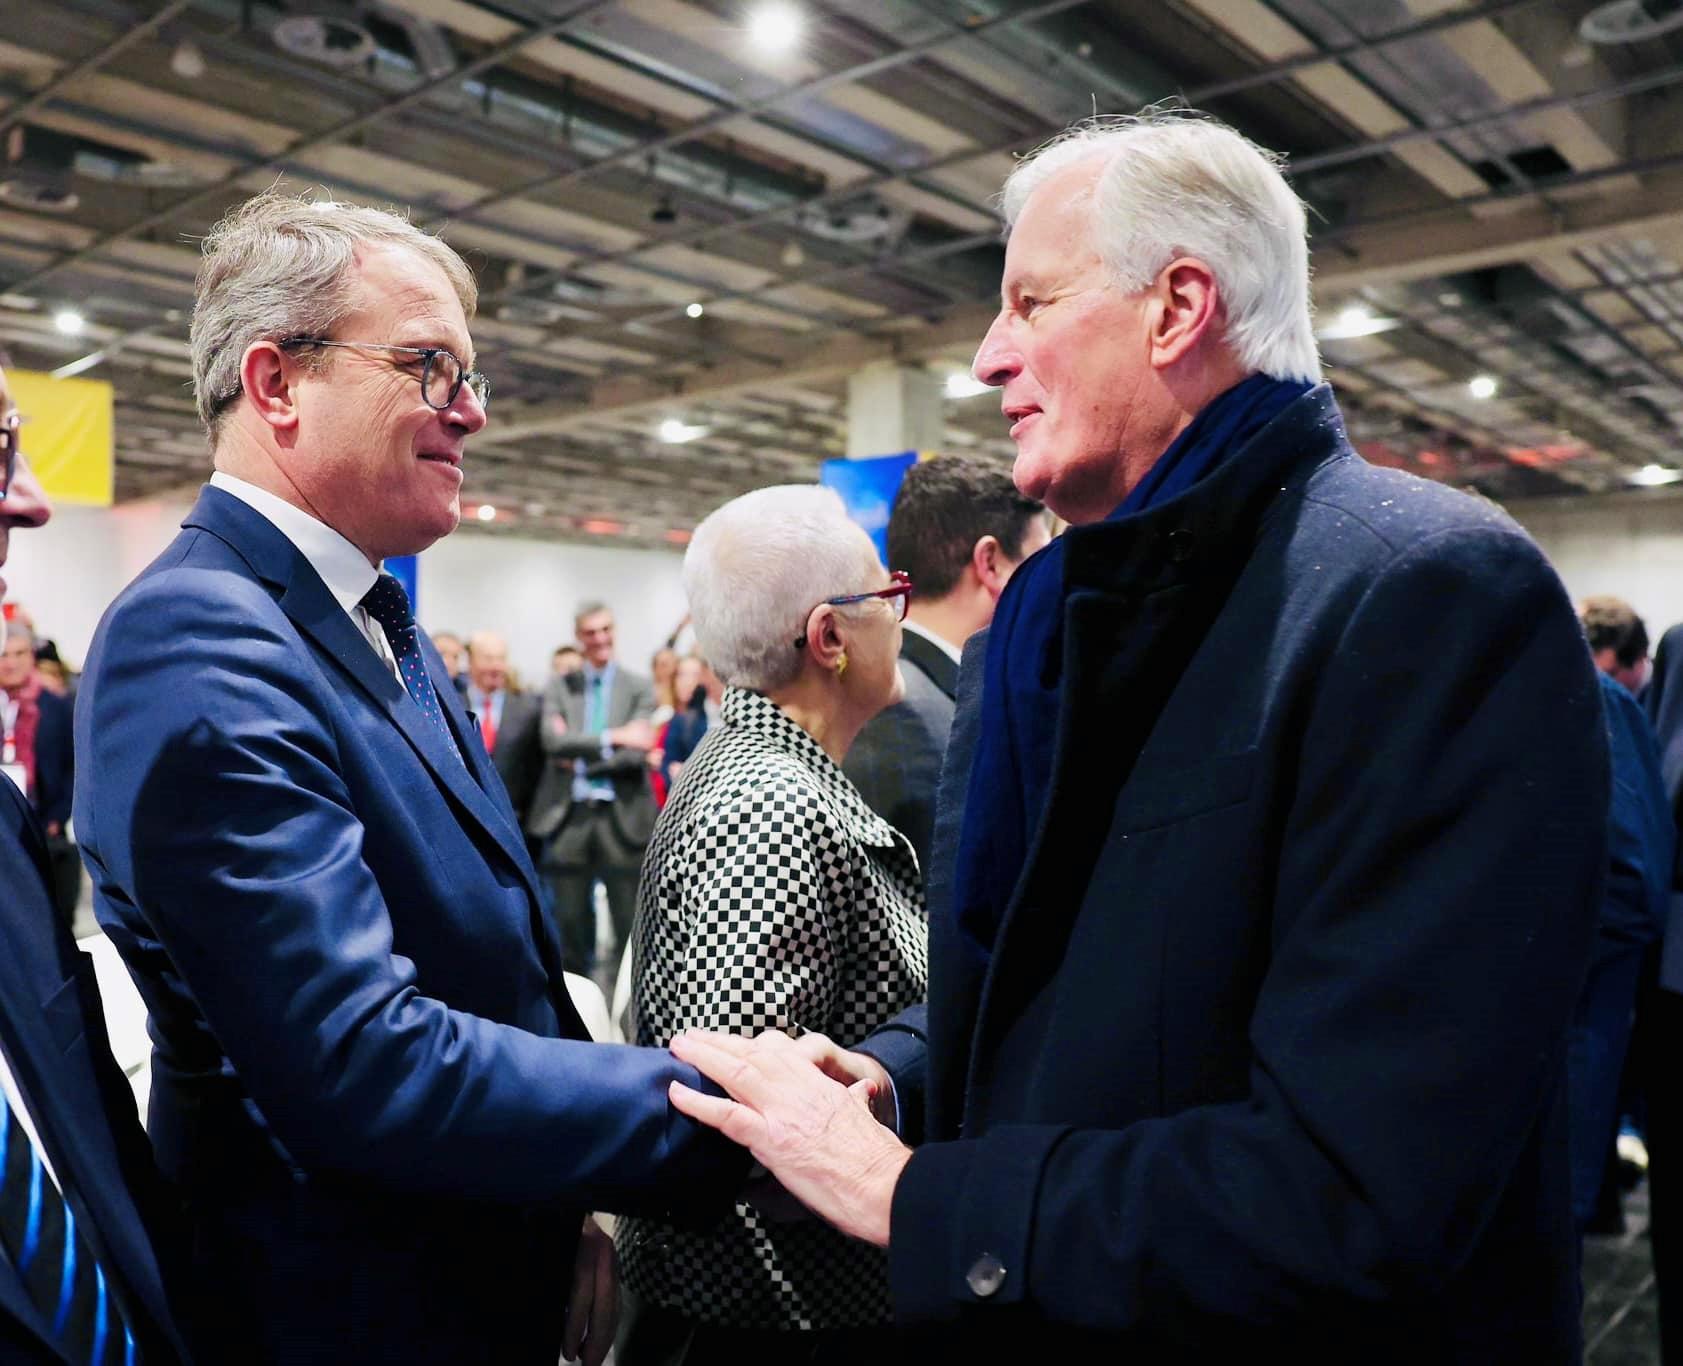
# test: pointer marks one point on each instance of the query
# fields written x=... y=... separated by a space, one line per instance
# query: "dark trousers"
x=1660 y=1027
x=1595 y=1060
x=589 y=848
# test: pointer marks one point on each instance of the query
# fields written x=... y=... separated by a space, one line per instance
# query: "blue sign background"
x=868 y=487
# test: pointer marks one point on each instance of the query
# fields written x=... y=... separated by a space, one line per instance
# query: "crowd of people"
x=1237 y=922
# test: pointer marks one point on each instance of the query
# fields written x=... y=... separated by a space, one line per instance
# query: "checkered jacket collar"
x=758 y=715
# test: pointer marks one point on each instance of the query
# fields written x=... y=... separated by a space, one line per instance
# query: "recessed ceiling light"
x=677 y=432
x=775 y=27
x=961 y=385
x=69 y=322
x=1654 y=475
x=1356 y=320
x=486 y=513
x=1481 y=386
x=695 y=310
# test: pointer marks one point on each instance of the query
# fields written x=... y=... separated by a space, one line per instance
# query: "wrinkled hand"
x=638 y=734
x=817 y=1136
x=593 y=1310
x=850 y=1068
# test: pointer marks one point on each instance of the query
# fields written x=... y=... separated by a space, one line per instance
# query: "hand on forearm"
x=815 y=1134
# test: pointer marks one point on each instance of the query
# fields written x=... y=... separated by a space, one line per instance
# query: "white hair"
x=756 y=568
x=1176 y=183
x=279 y=266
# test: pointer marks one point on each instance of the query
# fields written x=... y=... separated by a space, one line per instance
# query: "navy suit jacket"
x=1268 y=1052
x=368 y=1079
x=53 y=1029
x=55 y=767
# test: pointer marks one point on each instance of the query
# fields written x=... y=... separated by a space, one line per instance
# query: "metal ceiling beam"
x=17 y=113
x=494 y=56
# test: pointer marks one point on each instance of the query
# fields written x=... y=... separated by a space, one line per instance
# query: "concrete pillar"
x=892 y=408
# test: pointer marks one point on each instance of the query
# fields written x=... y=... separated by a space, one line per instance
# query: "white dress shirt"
x=343 y=568
x=951 y=651
x=14 y=1098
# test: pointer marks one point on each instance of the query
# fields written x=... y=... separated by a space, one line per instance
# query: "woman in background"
x=773 y=898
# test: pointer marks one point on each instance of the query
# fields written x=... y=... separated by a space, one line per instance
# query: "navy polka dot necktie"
x=388 y=604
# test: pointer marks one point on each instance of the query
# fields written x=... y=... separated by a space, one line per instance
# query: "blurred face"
x=567 y=662
x=17 y=662
x=686 y=678
x=596 y=634
x=24 y=505
x=370 y=458
x=663 y=666
x=1070 y=351
x=450 y=651
x=488 y=663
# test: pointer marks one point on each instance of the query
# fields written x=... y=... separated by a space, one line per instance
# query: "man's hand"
x=638 y=734
x=850 y=1068
x=593 y=1311
x=817 y=1136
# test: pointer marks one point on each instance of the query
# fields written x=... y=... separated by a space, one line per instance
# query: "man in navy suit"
x=35 y=737
x=368 y=1082
x=1267 y=856
x=73 y=1147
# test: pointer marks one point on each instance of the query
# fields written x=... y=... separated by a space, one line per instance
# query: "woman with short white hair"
x=773 y=897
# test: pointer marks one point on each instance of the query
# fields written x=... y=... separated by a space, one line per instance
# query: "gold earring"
x=841 y=664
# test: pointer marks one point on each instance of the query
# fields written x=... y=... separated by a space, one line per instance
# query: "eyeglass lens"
x=443 y=381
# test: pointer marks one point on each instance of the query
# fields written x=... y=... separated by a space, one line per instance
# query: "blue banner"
x=868 y=487
x=403 y=568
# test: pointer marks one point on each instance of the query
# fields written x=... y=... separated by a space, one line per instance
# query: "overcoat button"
x=1180 y=545
x=986 y=1276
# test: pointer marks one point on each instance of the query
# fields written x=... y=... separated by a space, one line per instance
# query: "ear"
x=824 y=643
x=1606 y=659
x=1186 y=304
x=269 y=377
x=990 y=565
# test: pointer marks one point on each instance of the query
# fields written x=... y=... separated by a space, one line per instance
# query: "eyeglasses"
x=442 y=375
x=897 y=595
x=9 y=426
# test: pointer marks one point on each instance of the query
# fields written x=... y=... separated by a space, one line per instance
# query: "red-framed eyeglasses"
x=897 y=595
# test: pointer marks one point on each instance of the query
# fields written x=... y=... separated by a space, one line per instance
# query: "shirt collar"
x=757 y=713
x=942 y=644
x=342 y=567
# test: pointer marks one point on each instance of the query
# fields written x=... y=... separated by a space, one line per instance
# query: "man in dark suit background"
x=368 y=1083
x=1268 y=850
x=594 y=809
x=958 y=529
x=508 y=720
x=35 y=737
x=93 y=1281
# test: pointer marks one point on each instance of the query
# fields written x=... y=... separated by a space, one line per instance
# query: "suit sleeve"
x=221 y=803
x=1439 y=868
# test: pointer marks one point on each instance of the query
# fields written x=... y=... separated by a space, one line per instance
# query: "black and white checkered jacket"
x=772 y=898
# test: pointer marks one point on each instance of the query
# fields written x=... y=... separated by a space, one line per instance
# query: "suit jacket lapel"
x=315 y=611
x=933 y=660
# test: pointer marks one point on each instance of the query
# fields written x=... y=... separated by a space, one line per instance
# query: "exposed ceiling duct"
x=1631 y=21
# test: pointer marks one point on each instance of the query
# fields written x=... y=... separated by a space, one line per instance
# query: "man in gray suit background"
x=593 y=808
x=959 y=529
x=508 y=720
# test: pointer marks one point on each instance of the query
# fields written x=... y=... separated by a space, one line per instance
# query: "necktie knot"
x=388 y=604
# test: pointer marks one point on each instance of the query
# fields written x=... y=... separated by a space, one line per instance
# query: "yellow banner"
x=66 y=435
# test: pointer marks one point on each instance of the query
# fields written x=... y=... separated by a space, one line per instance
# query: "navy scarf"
x=1022 y=673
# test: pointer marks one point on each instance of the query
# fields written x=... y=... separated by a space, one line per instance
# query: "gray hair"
x=756 y=568
x=1177 y=183
x=280 y=266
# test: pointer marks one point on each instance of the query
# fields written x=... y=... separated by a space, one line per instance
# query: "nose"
x=997 y=359
x=466 y=412
x=25 y=503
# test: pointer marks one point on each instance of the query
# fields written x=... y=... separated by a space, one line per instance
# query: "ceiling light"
x=962 y=385
x=187 y=61
x=676 y=431
x=1481 y=386
x=775 y=27
x=792 y=255
x=1652 y=476
x=486 y=513
x=69 y=322
x=1356 y=320
x=694 y=311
